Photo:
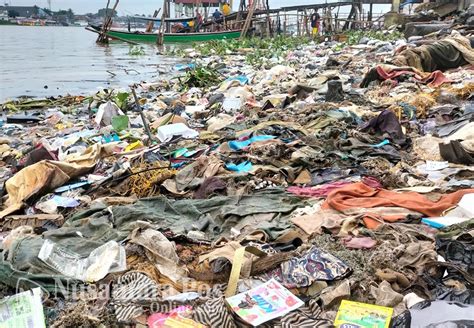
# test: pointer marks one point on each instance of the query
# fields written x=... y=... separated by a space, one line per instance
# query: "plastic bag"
x=105 y=259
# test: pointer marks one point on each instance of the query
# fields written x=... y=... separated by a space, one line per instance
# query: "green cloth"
x=88 y=230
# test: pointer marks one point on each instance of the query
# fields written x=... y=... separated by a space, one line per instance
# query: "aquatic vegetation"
x=256 y=50
x=136 y=51
x=354 y=37
x=199 y=77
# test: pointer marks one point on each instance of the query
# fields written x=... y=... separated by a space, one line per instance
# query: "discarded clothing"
x=359 y=195
x=131 y=288
x=386 y=123
x=321 y=191
x=434 y=79
x=314 y=265
x=454 y=152
x=359 y=242
x=214 y=313
x=209 y=187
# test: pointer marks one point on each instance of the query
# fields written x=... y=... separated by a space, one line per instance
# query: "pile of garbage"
x=321 y=187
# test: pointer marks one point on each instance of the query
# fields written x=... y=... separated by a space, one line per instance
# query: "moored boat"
x=172 y=37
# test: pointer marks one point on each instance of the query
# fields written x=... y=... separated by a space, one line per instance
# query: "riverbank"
x=301 y=163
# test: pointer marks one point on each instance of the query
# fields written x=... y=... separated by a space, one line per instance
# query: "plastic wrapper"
x=105 y=259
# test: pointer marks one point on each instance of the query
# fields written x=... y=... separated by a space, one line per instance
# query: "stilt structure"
x=102 y=38
x=248 y=21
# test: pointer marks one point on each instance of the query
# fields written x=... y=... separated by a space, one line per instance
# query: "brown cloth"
x=359 y=195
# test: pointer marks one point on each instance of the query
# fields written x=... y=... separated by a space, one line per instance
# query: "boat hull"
x=175 y=37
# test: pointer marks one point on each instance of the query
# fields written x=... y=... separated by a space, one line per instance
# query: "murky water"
x=50 y=61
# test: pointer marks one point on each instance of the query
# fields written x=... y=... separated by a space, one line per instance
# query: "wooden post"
x=269 y=21
x=103 y=38
x=239 y=15
x=347 y=24
x=161 y=32
x=150 y=25
x=298 y=32
x=305 y=20
x=100 y=38
x=248 y=21
x=145 y=124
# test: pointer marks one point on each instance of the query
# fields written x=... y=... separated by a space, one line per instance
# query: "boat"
x=138 y=36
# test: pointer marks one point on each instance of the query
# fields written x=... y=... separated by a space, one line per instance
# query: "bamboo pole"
x=103 y=38
x=145 y=124
x=248 y=20
x=160 y=37
x=150 y=25
x=298 y=32
x=100 y=38
x=113 y=37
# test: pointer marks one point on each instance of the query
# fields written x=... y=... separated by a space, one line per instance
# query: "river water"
x=50 y=61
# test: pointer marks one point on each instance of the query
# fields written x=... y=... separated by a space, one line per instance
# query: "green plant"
x=354 y=37
x=199 y=77
x=262 y=48
x=121 y=99
x=136 y=51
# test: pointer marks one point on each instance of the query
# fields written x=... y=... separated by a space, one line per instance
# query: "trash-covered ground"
x=250 y=190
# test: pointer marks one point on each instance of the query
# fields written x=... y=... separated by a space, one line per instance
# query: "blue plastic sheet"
x=184 y=67
x=238 y=145
x=242 y=167
x=241 y=78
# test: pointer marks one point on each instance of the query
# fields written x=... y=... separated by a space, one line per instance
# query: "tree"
x=107 y=12
x=13 y=13
x=70 y=13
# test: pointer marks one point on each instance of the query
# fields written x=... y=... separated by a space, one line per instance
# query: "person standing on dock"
x=226 y=9
x=199 y=21
x=315 y=18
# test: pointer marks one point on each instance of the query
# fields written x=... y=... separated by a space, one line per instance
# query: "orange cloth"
x=359 y=195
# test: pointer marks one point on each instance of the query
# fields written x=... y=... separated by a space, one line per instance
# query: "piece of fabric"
x=195 y=173
x=459 y=128
x=313 y=265
x=308 y=316
x=434 y=79
x=39 y=178
x=128 y=291
x=454 y=152
x=386 y=123
x=333 y=295
x=437 y=314
x=346 y=222
x=359 y=242
x=214 y=313
x=224 y=212
x=210 y=186
x=415 y=255
x=320 y=191
x=359 y=195
x=385 y=296
x=36 y=180
x=239 y=145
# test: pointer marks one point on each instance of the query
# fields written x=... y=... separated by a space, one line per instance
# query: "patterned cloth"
x=214 y=313
x=303 y=271
x=129 y=289
x=308 y=316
